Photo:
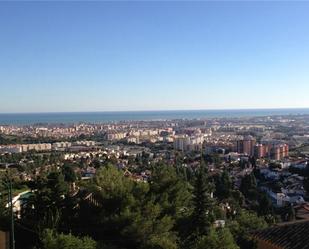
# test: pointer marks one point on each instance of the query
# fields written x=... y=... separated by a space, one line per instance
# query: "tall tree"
x=203 y=215
x=223 y=186
x=248 y=185
x=69 y=173
x=4 y=212
x=129 y=214
x=43 y=208
x=169 y=190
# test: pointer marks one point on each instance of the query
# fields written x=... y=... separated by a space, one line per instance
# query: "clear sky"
x=109 y=56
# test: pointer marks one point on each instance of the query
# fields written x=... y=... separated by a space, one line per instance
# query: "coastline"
x=117 y=116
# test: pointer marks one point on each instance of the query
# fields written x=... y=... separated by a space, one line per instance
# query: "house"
x=280 y=199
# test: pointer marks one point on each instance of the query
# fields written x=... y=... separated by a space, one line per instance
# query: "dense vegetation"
x=175 y=208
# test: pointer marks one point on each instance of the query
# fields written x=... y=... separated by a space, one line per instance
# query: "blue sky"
x=109 y=56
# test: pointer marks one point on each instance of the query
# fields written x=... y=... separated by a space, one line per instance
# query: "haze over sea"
x=103 y=117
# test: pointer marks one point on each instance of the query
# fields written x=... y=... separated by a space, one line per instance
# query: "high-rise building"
x=181 y=142
x=246 y=145
x=260 y=150
x=272 y=150
x=188 y=143
x=279 y=151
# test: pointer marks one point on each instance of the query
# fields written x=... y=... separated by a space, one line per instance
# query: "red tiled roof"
x=292 y=235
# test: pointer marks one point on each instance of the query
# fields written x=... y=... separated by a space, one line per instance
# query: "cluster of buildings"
x=245 y=145
x=138 y=136
x=124 y=147
x=19 y=148
x=55 y=131
x=272 y=149
x=291 y=191
x=114 y=135
x=41 y=147
x=67 y=145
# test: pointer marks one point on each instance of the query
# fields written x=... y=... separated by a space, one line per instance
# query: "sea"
x=104 y=117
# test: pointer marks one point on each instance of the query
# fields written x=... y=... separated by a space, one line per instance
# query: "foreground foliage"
x=113 y=211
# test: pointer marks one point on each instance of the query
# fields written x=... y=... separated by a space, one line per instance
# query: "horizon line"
x=159 y=110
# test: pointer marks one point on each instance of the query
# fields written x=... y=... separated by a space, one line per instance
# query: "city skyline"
x=139 y=56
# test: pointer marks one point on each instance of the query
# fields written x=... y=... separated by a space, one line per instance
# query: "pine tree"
x=203 y=202
x=223 y=186
x=248 y=184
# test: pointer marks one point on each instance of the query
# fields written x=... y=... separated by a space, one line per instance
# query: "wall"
x=4 y=240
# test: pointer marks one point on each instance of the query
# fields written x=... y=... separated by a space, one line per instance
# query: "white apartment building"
x=181 y=142
x=188 y=143
x=61 y=145
x=113 y=135
x=36 y=147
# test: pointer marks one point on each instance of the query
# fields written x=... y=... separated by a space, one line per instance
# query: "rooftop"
x=292 y=235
